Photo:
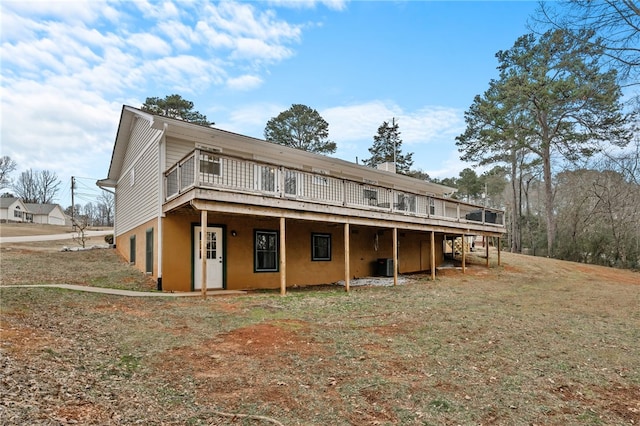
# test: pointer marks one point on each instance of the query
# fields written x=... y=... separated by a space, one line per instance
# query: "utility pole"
x=73 y=205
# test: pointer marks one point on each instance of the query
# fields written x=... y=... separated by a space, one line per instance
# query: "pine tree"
x=552 y=101
x=175 y=106
x=300 y=127
x=387 y=147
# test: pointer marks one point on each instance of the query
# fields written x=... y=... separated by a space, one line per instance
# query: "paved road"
x=67 y=236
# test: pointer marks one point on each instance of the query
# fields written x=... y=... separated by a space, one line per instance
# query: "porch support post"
x=283 y=259
x=347 y=262
x=498 y=251
x=486 y=249
x=433 y=256
x=464 y=256
x=395 y=256
x=203 y=252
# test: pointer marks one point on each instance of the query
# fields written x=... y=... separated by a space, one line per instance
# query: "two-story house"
x=271 y=216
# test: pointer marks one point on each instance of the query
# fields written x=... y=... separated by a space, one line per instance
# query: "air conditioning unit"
x=384 y=267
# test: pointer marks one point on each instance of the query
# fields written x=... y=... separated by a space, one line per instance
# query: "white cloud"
x=68 y=66
x=359 y=121
x=150 y=44
x=68 y=11
x=431 y=123
x=449 y=166
x=210 y=36
x=310 y=4
x=251 y=119
x=179 y=35
x=355 y=122
x=426 y=132
x=244 y=82
x=157 y=10
x=252 y=48
x=185 y=72
x=57 y=130
x=248 y=33
x=242 y=19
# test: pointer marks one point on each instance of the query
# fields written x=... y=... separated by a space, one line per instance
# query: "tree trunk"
x=515 y=220
x=548 y=197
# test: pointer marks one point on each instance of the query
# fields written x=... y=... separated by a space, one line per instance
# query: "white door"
x=215 y=260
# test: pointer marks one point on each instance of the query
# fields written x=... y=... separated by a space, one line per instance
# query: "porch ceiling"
x=258 y=206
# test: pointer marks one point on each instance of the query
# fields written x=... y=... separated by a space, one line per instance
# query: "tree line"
x=43 y=186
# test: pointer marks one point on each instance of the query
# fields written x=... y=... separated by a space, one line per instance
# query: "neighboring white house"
x=50 y=214
x=14 y=210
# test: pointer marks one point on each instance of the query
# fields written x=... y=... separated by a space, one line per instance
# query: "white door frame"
x=215 y=264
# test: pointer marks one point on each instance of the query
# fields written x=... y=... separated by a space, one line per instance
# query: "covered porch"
x=301 y=248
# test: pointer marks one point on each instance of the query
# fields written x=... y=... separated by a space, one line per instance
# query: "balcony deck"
x=211 y=176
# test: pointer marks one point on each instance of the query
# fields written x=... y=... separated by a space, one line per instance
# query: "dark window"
x=149 y=252
x=210 y=164
x=267 y=178
x=132 y=250
x=266 y=251
x=291 y=182
x=370 y=196
x=320 y=246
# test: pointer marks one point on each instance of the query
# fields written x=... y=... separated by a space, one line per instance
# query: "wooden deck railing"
x=212 y=170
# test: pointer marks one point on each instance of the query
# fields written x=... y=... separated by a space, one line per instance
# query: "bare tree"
x=90 y=213
x=81 y=224
x=600 y=216
x=615 y=24
x=26 y=186
x=48 y=186
x=7 y=166
x=106 y=203
x=37 y=187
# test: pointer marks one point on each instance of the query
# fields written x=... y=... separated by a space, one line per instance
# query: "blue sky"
x=69 y=66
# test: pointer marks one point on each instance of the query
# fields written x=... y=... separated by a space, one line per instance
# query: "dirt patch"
x=608 y=274
x=264 y=339
x=624 y=401
x=21 y=340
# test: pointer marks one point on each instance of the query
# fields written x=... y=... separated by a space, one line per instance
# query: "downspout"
x=114 y=207
x=161 y=168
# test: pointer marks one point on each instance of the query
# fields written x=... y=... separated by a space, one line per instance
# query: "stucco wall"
x=301 y=269
x=140 y=232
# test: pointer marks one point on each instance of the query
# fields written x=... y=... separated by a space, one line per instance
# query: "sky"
x=67 y=68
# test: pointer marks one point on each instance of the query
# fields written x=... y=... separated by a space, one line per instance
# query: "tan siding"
x=138 y=203
x=177 y=149
x=141 y=134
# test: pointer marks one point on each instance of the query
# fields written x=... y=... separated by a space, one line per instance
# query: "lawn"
x=534 y=341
